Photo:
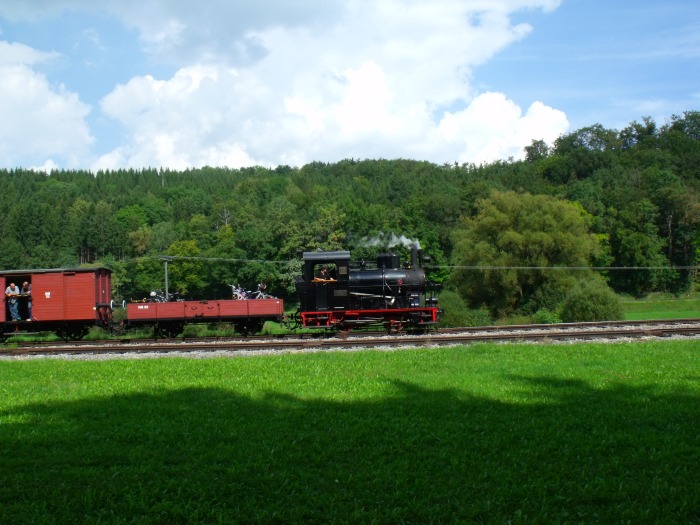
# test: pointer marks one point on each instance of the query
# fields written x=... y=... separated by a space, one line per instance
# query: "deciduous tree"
x=514 y=253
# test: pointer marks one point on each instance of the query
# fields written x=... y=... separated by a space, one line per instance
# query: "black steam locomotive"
x=339 y=294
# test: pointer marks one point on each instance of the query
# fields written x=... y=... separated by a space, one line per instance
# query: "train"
x=335 y=294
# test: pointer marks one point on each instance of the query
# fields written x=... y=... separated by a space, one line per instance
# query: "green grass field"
x=588 y=433
x=662 y=308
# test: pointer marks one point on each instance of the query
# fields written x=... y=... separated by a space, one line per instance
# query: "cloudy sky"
x=184 y=83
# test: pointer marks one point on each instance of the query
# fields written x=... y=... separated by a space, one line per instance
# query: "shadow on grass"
x=206 y=455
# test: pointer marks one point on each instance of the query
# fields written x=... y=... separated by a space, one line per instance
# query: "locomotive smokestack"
x=415 y=255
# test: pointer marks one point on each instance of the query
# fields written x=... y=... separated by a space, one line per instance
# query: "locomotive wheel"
x=414 y=326
x=393 y=327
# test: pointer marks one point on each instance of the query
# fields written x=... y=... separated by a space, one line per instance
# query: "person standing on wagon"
x=11 y=293
x=27 y=294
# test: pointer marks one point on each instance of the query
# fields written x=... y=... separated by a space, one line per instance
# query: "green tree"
x=504 y=254
x=327 y=232
x=187 y=272
x=104 y=235
x=79 y=215
x=536 y=151
x=10 y=254
x=636 y=245
x=161 y=236
x=587 y=150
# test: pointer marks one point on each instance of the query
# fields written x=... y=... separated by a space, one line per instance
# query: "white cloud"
x=275 y=82
x=48 y=166
x=377 y=82
x=38 y=120
x=493 y=127
x=19 y=54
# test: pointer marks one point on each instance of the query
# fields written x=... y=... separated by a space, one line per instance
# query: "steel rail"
x=523 y=333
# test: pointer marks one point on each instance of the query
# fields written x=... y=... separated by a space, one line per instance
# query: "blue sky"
x=178 y=83
x=605 y=62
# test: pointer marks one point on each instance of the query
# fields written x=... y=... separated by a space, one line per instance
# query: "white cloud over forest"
x=274 y=83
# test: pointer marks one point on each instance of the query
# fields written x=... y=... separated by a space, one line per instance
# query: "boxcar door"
x=5 y=309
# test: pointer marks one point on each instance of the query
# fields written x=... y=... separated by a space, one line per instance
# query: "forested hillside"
x=596 y=197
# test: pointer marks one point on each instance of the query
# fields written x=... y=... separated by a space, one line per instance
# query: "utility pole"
x=166 y=259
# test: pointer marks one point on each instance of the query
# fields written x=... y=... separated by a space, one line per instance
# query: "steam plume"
x=388 y=240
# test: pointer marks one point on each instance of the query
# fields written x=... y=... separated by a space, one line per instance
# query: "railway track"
x=456 y=336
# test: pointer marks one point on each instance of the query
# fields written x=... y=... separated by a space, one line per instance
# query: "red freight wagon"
x=65 y=301
x=169 y=319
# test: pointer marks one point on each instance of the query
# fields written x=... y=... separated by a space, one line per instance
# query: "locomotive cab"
x=324 y=281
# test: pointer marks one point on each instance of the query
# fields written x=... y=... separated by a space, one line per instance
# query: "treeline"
x=635 y=192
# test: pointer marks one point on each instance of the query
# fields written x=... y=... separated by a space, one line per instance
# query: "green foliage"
x=635 y=243
x=186 y=272
x=504 y=254
x=456 y=313
x=591 y=300
x=638 y=193
x=545 y=316
x=536 y=151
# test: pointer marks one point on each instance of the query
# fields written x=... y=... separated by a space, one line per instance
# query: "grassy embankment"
x=512 y=433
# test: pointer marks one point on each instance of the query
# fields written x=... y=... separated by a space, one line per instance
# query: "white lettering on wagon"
x=47 y=295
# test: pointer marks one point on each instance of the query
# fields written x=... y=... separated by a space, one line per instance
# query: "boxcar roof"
x=51 y=270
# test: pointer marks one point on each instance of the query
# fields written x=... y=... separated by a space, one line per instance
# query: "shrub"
x=549 y=295
x=457 y=313
x=591 y=300
x=545 y=316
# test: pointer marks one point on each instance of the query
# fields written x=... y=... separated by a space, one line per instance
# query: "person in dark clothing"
x=27 y=295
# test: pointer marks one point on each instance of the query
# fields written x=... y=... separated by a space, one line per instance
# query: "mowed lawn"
x=588 y=433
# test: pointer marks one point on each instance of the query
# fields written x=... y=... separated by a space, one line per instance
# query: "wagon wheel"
x=241 y=327
x=73 y=333
x=117 y=329
x=256 y=326
x=251 y=326
x=169 y=330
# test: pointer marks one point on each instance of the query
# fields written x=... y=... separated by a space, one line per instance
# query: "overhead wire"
x=435 y=267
